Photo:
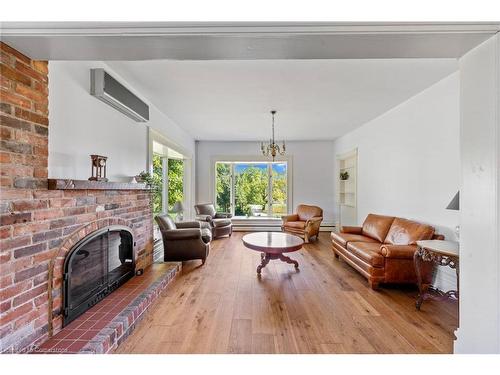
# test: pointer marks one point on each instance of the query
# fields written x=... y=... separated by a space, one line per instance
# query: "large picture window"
x=251 y=189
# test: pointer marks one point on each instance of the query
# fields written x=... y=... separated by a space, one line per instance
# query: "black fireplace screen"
x=96 y=266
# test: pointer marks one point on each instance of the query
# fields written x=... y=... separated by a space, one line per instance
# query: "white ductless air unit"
x=104 y=87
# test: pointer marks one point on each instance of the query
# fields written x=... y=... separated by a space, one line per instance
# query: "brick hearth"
x=103 y=327
x=37 y=224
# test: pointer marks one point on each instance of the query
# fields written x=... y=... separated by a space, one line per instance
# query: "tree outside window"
x=252 y=183
x=157 y=182
x=175 y=180
x=223 y=187
x=250 y=189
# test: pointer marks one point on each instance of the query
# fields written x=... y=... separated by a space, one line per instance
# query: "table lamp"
x=178 y=209
x=455 y=205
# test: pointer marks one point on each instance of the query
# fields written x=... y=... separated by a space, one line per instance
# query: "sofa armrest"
x=182 y=234
x=223 y=215
x=398 y=251
x=352 y=230
x=293 y=217
x=204 y=218
x=188 y=224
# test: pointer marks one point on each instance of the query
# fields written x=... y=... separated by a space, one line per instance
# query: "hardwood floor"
x=326 y=307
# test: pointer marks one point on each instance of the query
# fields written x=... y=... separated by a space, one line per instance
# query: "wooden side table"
x=441 y=253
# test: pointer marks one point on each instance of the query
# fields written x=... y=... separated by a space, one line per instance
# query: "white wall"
x=312 y=168
x=479 y=329
x=81 y=125
x=409 y=161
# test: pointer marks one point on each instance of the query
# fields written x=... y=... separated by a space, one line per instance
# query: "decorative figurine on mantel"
x=98 y=168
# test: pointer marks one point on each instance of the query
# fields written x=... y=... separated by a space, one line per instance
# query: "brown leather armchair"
x=183 y=241
x=219 y=222
x=305 y=223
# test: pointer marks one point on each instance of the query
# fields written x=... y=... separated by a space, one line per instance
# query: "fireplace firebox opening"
x=95 y=267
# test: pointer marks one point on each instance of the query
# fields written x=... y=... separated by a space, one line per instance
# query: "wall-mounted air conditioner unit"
x=110 y=91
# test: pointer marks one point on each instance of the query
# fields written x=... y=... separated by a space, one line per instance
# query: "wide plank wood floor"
x=326 y=307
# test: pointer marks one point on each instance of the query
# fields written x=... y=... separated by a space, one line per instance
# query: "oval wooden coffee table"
x=272 y=245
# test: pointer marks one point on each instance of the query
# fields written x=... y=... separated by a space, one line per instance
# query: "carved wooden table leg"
x=288 y=260
x=265 y=258
x=417 y=259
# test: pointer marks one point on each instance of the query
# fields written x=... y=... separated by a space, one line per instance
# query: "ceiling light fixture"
x=272 y=149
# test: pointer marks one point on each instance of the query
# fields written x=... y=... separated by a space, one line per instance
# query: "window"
x=251 y=189
x=168 y=172
x=223 y=187
x=170 y=165
x=175 y=182
x=158 y=179
x=279 y=189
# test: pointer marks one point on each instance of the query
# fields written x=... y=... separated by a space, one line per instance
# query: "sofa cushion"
x=221 y=222
x=307 y=212
x=407 y=232
x=343 y=238
x=369 y=252
x=295 y=224
x=377 y=226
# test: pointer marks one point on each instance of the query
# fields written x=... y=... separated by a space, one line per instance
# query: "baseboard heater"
x=239 y=227
x=104 y=87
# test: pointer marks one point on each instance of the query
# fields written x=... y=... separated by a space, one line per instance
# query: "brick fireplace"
x=39 y=223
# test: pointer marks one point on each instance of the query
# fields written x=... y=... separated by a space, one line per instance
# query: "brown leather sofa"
x=220 y=223
x=305 y=223
x=382 y=249
x=183 y=241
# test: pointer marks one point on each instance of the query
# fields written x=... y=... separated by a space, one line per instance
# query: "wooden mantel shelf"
x=68 y=184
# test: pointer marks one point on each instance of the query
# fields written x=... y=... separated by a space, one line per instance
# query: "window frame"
x=252 y=159
x=155 y=136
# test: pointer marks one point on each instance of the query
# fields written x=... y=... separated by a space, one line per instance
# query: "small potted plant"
x=142 y=177
x=153 y=183
x=344 y=175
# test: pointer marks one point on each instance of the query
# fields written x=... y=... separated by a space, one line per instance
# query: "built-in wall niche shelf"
x=346 y=186
x=68 y=184
x=347 y=177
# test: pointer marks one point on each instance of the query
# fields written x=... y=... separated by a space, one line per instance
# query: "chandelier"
x=272 y=148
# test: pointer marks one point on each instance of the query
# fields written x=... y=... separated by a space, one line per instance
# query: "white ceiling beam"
x=225 y=28
x=105 y=41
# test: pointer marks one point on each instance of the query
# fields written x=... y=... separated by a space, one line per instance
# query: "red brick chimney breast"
x=36 y=224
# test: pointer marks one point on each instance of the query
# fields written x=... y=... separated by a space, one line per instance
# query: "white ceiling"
x=315 y=99
x=220 y=80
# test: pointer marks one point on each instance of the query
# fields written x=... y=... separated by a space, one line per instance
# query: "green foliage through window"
x=158 y=182
x=251 y=188
x=175 y=170
x=223 y=187
x=175 y=182
x=279 y=179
